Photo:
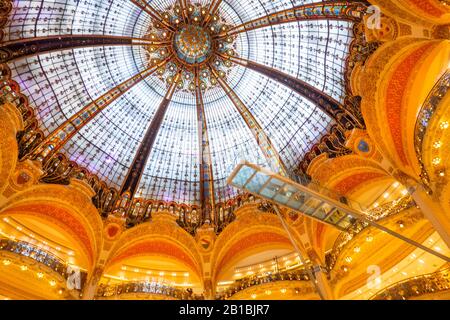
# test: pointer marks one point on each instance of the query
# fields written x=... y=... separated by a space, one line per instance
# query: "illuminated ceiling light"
x=60 y=292
x=186 y=274
x=174 y=274
x=437 y=144
x=349 y=259
x=283 y=291
x=6 y=262
x=386 y=195
x=40 y=275
x=52 y=283
x=124 y=268
x=23 y=268
x=161 y=274
x=404 y=192
x=357 y=249
x=444 y=125
x=71 y=253
x=376 y=205
x=136 y=270
x=436 y=161
x=369 y=238
x=396 y=184
x=421 y=261
x=268 y=292
x=253 y=296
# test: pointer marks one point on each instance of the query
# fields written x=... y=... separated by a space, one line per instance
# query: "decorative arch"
x=350 y=176
x=252 y=231
x=68 y=207
x=389 y=251
x=396 y=80
x=162 y=236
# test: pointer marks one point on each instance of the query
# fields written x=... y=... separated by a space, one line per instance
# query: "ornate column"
x=206 y=238
x=114 y=227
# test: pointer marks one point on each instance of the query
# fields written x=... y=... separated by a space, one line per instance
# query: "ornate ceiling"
x=126 y=76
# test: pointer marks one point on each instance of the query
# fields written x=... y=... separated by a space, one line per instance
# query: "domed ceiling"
x=228 y=120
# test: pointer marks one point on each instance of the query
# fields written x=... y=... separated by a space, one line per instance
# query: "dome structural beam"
x=59 y=137
x=153 y=13
x=133 y=177
x=328 y=10
x=261 y=137
x=212 y=10
x=185 y=10
x=330 y=106
x=13 y=50
x=207 y=198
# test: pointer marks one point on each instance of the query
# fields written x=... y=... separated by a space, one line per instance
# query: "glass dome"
x=62 y=82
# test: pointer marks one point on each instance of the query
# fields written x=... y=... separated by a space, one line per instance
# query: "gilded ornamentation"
x=252 y=241
x=416 y=14
x=157 y=247
x=373 y=109
x=396 y=91
x=158 y=230
x=72 y=210
x=417 y=286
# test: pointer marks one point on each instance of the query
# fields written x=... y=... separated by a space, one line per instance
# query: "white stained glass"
x=61 y=83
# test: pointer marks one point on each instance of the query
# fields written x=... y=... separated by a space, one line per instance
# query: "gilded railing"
x=416 y=286
x=427 y=111
x=248 y=282
x=151 y=288
x=43 y=257
x=377 y=214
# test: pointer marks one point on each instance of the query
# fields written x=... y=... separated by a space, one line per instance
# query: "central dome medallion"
x=192 y=44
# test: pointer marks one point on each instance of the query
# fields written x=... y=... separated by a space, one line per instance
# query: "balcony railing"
x=417 y=286
x=427 y=111
x=248 y=282
x=150 y=288
x=43 y=257
x=387 y=210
